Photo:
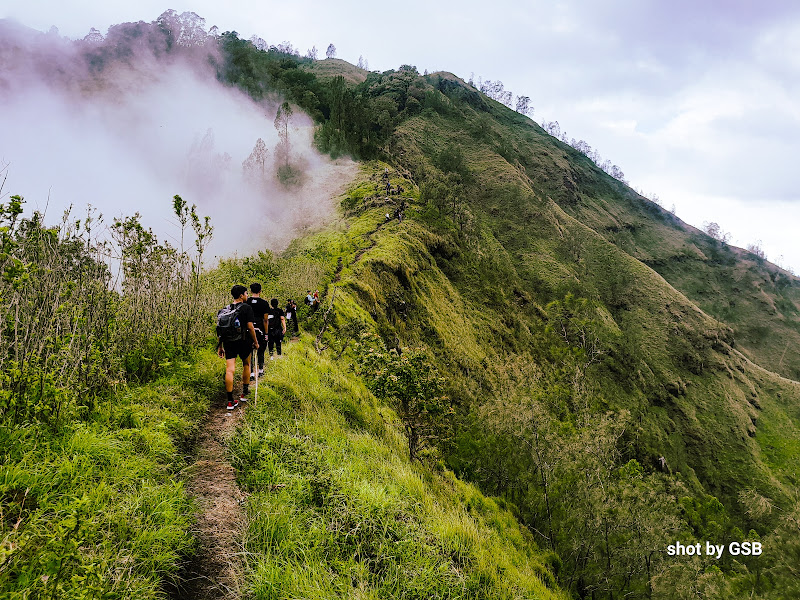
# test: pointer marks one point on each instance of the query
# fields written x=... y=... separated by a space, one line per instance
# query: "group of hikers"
x=400 y=210
x=251 y=325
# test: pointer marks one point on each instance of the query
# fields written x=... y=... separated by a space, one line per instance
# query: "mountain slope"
x=760 y=301
x=480 y=301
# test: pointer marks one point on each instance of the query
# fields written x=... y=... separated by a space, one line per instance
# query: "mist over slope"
x=126 y=122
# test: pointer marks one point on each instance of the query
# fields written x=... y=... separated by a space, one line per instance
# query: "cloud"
x=125 y=128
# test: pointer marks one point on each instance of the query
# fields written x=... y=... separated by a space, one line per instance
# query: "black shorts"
x=240 y=348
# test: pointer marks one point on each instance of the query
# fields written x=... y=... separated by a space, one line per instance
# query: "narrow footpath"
x=216 y=571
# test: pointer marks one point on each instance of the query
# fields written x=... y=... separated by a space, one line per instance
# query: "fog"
x=123 y=125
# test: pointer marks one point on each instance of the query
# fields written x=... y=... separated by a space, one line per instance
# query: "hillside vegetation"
x=528 y=387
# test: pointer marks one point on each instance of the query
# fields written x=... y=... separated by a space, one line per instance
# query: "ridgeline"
x=525 y=380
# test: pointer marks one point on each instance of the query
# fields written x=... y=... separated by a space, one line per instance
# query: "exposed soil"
x=216 y=571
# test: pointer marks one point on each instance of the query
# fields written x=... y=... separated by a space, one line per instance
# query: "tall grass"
x=336 y=510
x=86 y=307
x=95 y=510
x=90 y=505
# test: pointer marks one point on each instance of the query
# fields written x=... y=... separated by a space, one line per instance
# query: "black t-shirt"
x=290 y=311
x=275 y=315
x=260 y=308
x=245 y=314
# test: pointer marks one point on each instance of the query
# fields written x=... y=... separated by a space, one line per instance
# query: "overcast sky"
x=698 y=102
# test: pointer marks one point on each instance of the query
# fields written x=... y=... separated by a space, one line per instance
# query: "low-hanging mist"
x=124 y=123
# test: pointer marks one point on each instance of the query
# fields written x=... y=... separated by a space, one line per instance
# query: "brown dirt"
x=216 y=571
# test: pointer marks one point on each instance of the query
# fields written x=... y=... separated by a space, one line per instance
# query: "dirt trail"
x=216 y=571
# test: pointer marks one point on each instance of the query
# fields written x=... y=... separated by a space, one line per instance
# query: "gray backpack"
x=229 y=328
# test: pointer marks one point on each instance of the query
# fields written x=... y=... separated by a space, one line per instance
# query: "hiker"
x=236 y=337
x=315 y=302
x=276 y=328
x=291 y=315
x=309 y=298
x=260 y=308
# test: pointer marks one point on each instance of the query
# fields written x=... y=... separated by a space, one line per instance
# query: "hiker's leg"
x=262 y=347
x=230 y=367
x=278 y=345
x=246 y=370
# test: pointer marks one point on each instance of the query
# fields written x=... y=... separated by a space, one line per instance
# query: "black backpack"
x=229 y=328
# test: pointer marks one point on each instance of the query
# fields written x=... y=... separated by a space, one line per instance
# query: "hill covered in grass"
x=614 y=373
x=529 y=386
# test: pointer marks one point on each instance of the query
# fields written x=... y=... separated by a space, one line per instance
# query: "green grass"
x=97 y=510
x=337 y=511
x=476 y=298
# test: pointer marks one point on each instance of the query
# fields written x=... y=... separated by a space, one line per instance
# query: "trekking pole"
x=255 y=356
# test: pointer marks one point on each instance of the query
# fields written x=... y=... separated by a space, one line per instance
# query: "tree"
x=715 y=231
x=415 y=389
x=312 y=53
x=282 y=120
x=331 y=51
x=286 y=47
x=254 y=166
x=553 y=128
x=259 y=43
x=617 y=173
x=524 y=105
x=94 y=36
x=360 y=64
x=186 y=29
x=757 y=250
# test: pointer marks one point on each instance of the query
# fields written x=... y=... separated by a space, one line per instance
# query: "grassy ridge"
x=760 y=301
x=485 y=301
x=336 y=510
x=97 y=510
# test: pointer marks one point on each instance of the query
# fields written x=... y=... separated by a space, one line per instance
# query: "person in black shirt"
x=241 y=347
x=260 y=309
x=291 y=315
x=276 y=328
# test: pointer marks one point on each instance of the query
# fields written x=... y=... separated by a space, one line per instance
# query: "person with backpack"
x=260 y=309
x=291 y=315
x=276 y=328
x=236 y=337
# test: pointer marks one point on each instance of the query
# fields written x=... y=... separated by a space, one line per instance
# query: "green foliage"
x=70 y=332
x=93 y=510
x=336 y=510
x=413 y=387
x=582 y=381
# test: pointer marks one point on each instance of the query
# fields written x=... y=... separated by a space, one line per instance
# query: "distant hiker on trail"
x=276 y=328
x=236 y=337
x=291 y=315
x=260 y=309
x=315 y=302
x=309 y=298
